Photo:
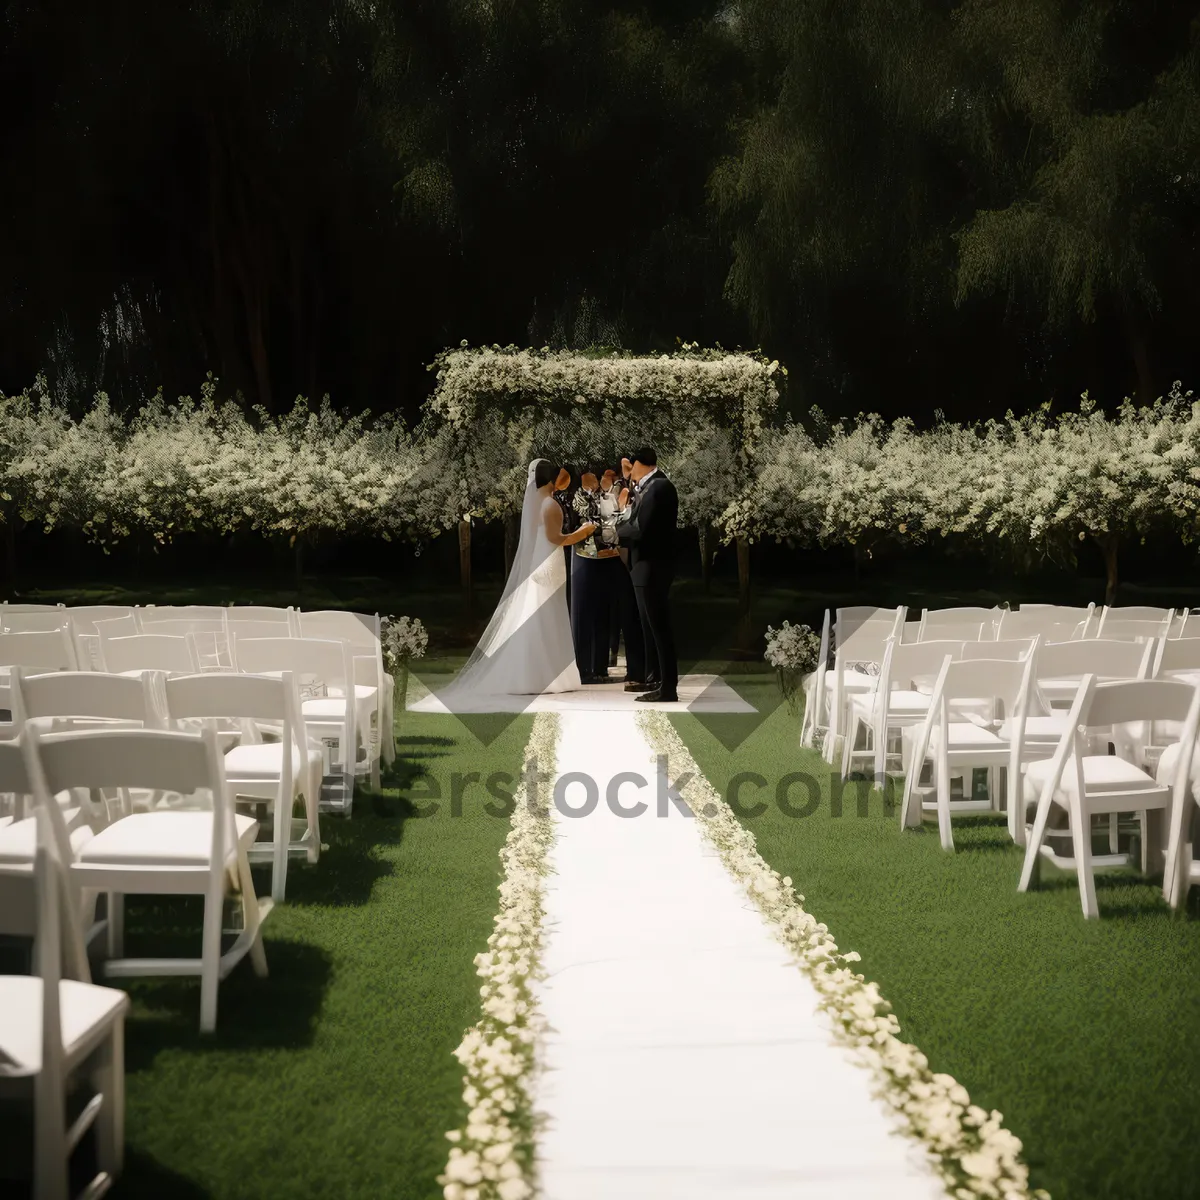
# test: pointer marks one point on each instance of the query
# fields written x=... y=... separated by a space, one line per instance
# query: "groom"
x=648 y=530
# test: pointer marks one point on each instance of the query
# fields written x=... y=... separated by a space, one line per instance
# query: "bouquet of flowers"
x=402 y=640
x=792 y=650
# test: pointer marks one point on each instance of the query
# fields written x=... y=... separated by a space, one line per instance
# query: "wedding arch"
x=495 y=408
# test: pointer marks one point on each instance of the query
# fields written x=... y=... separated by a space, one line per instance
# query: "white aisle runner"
x=685 y=1056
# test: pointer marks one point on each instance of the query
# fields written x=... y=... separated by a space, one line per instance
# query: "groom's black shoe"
x=634 y=686
x=659 y=695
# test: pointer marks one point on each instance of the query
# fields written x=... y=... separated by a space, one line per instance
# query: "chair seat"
x=852 y=681
x=18 y=841
x=1168 y=767
x=1038 y=729
x=329 y=708
x=164 y=838
x=264 y=761
x=84 y=1010
x=963 y=736
x=900 y=703
x=1101 y=773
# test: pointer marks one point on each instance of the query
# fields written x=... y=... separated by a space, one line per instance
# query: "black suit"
x=649 y=532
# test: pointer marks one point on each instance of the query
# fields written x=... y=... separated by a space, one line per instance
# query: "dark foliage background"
x=914 y=204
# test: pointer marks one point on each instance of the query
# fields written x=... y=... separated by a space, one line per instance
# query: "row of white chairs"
x=1016 y=705
x=187 y=639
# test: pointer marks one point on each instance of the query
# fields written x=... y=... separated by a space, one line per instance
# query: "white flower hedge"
x=1037 y=485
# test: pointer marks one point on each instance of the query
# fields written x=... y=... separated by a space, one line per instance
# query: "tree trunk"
x=464 y=565
x=705 y=554
x=1109 y=545
x=298 y=561
x=743 y=561
x=511 y=537
x=10 y=550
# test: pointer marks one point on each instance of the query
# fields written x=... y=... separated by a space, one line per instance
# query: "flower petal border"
x=969 y=1148
x=492 y=1155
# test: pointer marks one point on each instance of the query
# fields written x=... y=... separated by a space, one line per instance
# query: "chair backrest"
x=1177 y=654
x=1135 y=612
x=1005 y=680
x=254 y=628
x=161 y=760
x=47 y=650
x=260 y=612
x=125 y=625
x=328 y=660
x=181 y=627
x=866 y=623
x=862 y=648
x=1112 y=660
x=1062 y=611
x=255 y=697
x=1048 y=624
x=86 y=694
x=1117 y=702
x=85 y=616
x=963 y=631
x=359 y=629
x=151 y=652
x=1014 y=649
x=1132 y=631
x=30 y=622
x=6 y=608
x=151 y=614
x=1188 y=625
x=908 y=661
x=966 y=615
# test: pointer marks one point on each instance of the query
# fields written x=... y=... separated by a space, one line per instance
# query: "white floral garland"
x=492 y=1154
x=971 y=1150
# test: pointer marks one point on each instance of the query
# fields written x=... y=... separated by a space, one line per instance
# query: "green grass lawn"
x=1083 y=1034
x=334 y=1077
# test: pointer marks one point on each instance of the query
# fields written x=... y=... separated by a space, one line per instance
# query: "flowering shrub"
x=969 y=1147
x=792 y=647
x=492 y=1155
x=402 y=640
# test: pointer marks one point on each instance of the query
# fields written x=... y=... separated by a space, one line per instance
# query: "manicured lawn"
x=1083 y=1034
x=334 y=1076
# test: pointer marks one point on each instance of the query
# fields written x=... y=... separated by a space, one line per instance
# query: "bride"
x=527 y=648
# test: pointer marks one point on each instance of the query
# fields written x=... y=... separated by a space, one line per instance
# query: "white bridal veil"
x=528 y=586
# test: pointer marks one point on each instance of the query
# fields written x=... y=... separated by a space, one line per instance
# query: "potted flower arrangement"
x=402 y=640
x=792 y=650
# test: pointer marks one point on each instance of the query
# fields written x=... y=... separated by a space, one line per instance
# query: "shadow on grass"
x=145 y=1178
x=279 y=1012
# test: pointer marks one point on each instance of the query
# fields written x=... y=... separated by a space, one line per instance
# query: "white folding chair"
x=244 y=629
x=815 y=690
x=328 y=716
x=952 y=631
x=1132 y=631
x=1177 y=658
x=267 y=613
x=151 y=652
x=1134 y=612
x=1080 y=784
x=1049 y=624
x=958 y=739
x=1013 y=649
x=1061 y=666
x=39 y=650
x=57 y=1028
x=35 y=622
x=969 y=616
x=166 y=851
x=1181 y=869
x=210 y=639
x=895 y=703
x=1188 y=625
x=849 y=677
x=152 y=614
x=363 y=634
x=256 y=770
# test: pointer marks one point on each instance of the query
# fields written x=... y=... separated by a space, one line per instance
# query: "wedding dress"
x=527 y=648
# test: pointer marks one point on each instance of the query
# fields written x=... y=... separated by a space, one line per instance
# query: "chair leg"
x=848 y=747
x=1081 y=837
x=51 y=1160
x=251 y=916
x=1114 y=823
x=281 y=839
x=108 y=1078
x=116 y=924
x=312 y=791
x=1033 y=850
x=943 y=803
x=210 y=962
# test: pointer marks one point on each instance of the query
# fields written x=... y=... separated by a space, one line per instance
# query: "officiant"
x=601 y=586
